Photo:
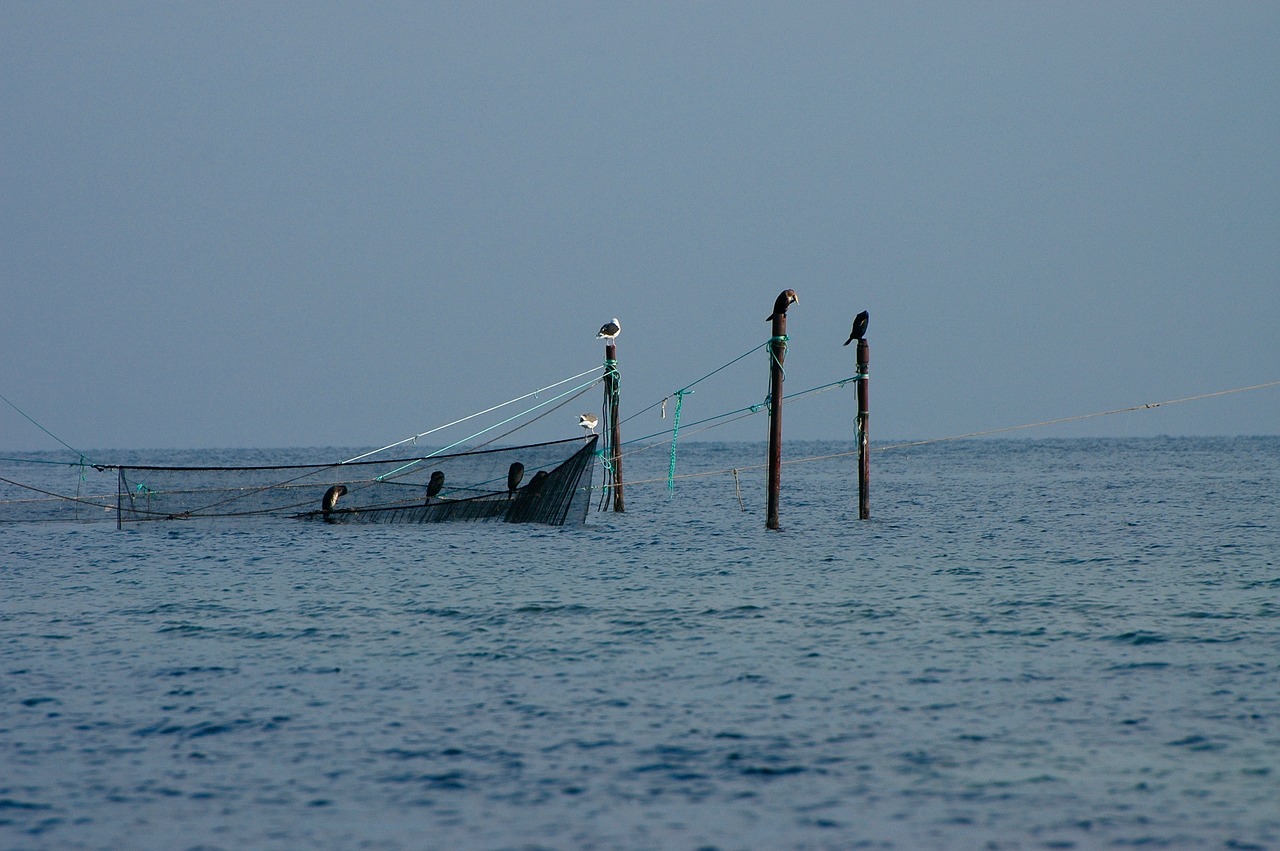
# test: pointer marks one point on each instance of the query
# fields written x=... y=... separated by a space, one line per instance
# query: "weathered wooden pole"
x=864 y=460
x=777 y=353
x=611 y=395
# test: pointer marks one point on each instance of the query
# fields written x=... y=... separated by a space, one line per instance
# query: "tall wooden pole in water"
x=611 y=394
x=864 y=461
x=777 y=353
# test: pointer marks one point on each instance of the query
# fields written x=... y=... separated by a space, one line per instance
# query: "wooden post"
x=864 y=461
x=611 y=394
x=777 y=353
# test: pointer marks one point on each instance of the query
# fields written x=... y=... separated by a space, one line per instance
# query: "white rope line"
x=470 y=416
x=579 y=390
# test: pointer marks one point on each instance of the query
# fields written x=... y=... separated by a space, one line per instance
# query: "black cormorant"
x=859 y=327
x=786 y=298
x=514 y=475
x=435 y=485
x=331 y=499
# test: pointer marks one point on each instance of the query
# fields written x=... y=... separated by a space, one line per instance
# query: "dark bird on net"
x=435 y=485
x=331 y=499
x=536 y=483
x=786 y=298
x=859 y=327
x=514 y=475
x=609 y=330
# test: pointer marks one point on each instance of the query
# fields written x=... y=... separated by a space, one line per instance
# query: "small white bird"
x=588 y=422
x=609 y=330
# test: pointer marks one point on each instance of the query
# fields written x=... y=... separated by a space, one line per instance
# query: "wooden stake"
x=611 y=394
x=777 y=351
x=864 y=461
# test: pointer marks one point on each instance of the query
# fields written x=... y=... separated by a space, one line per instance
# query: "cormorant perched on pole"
x=859 y=327
x=786 y=298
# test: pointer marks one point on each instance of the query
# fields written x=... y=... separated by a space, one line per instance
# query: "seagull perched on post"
x=588 y=422
x=609 y=330
x=859 y=327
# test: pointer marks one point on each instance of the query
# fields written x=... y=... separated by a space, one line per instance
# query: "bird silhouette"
x=859 y=327
x=786 y=298
x=536 y=483
x=434 y=486
x=514 y=475
x=331 y=497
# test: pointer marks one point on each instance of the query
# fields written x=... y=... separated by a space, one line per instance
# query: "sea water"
x=1030 y=644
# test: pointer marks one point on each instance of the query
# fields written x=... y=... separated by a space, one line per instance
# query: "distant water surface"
x=1031 y=644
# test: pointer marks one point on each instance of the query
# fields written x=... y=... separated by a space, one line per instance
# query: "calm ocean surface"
x=1032 y=644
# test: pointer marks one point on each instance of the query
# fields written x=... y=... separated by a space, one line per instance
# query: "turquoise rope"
x=680 y=394
x=675 y=433
x=754 y=409
x=773 y=357
x=692 y=383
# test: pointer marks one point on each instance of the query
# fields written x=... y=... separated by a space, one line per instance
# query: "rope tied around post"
x=776 y=346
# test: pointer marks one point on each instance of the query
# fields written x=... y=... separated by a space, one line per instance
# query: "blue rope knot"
x=611 y=372
x=774 y=344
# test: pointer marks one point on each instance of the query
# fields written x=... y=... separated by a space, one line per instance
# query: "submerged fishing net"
x=539 y=483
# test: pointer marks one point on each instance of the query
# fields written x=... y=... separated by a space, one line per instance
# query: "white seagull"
x=588 y=422
x=610 y=330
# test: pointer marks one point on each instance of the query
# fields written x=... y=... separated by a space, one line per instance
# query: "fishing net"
x=539 y=483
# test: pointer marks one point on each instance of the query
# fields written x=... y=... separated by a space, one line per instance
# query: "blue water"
x=1031 y=644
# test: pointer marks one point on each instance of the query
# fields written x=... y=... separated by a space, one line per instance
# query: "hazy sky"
x=297 y=224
